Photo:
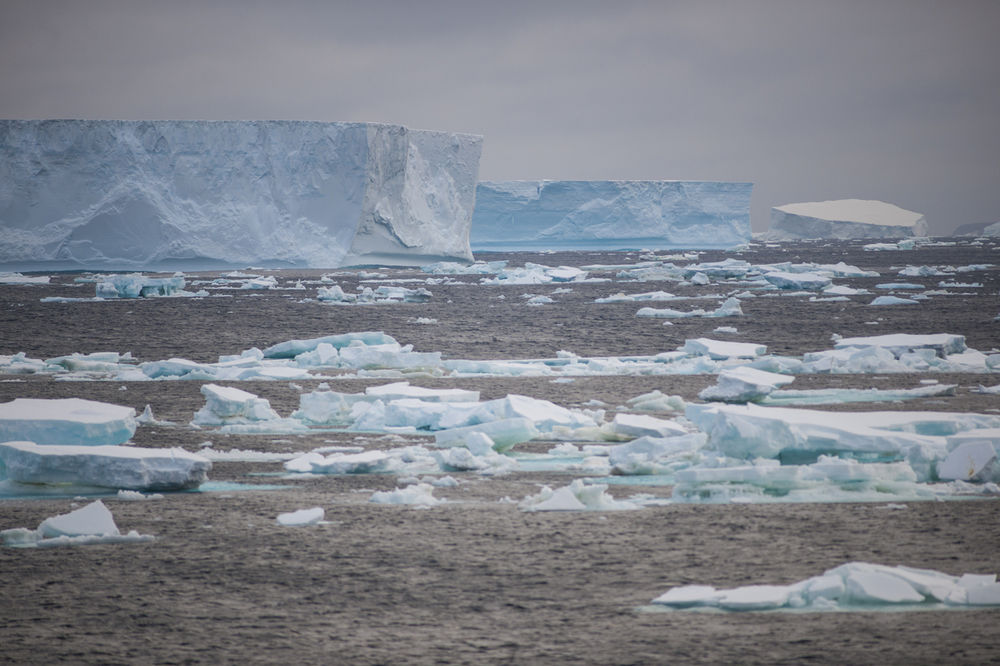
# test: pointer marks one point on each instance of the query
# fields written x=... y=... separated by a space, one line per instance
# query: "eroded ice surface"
x=141 y=194
x=532 y=215
x=857 y=586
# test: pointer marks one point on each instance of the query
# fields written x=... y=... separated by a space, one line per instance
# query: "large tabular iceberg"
x=198 y=194
x=607 y=214
x=845 y=218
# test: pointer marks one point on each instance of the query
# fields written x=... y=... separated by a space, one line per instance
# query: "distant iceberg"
x=844 y=218
x=111 y=194
x=606 y=214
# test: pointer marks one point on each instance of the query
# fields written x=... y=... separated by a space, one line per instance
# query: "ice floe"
x=302 y=517
x=126 y=467
x=66 y=421
x=857 y=586
x=577 y=496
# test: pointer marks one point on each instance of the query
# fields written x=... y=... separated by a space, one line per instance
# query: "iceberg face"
x=145 y=194
x=844 y=218
x=534 y=215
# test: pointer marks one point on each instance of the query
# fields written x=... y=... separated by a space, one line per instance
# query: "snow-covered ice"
x=577 y=496
x=301 y=517
x=141 y=194
x=532 y=215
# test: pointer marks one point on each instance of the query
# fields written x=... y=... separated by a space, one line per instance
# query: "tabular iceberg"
x=568 y=214
x=112 y=194
x=844 y=218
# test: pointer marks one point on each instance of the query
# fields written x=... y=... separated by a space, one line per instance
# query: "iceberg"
x=126 y=467
x=113 y=194
x=567 y=214
x=66 y=421
x=844 y=218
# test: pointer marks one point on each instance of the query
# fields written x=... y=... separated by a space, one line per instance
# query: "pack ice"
x=114 y=194
x=844 y=218
x=566 y=214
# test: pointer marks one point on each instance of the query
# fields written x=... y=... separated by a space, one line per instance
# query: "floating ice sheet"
x=66 y=421
x=91 y=524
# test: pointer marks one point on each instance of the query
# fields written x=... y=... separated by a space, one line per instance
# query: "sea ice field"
x=784 y=452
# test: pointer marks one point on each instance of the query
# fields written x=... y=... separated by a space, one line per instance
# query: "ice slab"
x=728 y=308
x=143 y=194
x=138 y=286
x=66 y=421
x=971 y=460
x=418 y=494
x=787 y=280
x=744 y=384
x=943 y=344
x=641 y=425
x=127 y=467
x=721 y=349
x=367 y=462
x=844 y=218
x=533 y=215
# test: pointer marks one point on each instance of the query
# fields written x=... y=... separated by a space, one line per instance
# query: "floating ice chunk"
x=66 y=421
x=127 y=467
x=630 y=298
x=505 y=433
x=743 y=384
x=729 y=308
x=138 y=286
x=226 y=405
x=899 y=285
x=575 y=497
x=420 y=494
x=843 y=290
x=544 y=415
x=90 y=524
x=477 y=458
x=898 y=343
x=18 y=278
x=455 y=268
x=292 y=348
x=653 y=455
x=893 y=300
x=367 y=462
x=722 y=350
x=301 y=517
x=401 y=390
x=637 y=425
x=971 y=461
x=788 y=397
x=750 y=431
x=786 y=280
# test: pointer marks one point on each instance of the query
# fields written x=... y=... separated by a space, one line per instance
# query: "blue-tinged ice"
x=115 y=194
x=554 y=214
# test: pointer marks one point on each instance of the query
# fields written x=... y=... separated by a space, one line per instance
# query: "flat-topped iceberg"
x=66 y=421
x=844 y=218
x=127 y=467
x=145 y=194
x=576 y=214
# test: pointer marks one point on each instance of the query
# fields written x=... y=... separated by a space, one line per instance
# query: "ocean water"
x=476 y=580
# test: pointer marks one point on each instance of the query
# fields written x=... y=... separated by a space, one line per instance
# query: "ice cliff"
x=603 y=214
x=156 y=194
x=844 y=218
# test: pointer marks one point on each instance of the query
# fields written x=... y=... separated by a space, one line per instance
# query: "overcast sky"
x=809 y=100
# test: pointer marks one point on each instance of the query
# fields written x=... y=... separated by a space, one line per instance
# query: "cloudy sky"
x=808 y=99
